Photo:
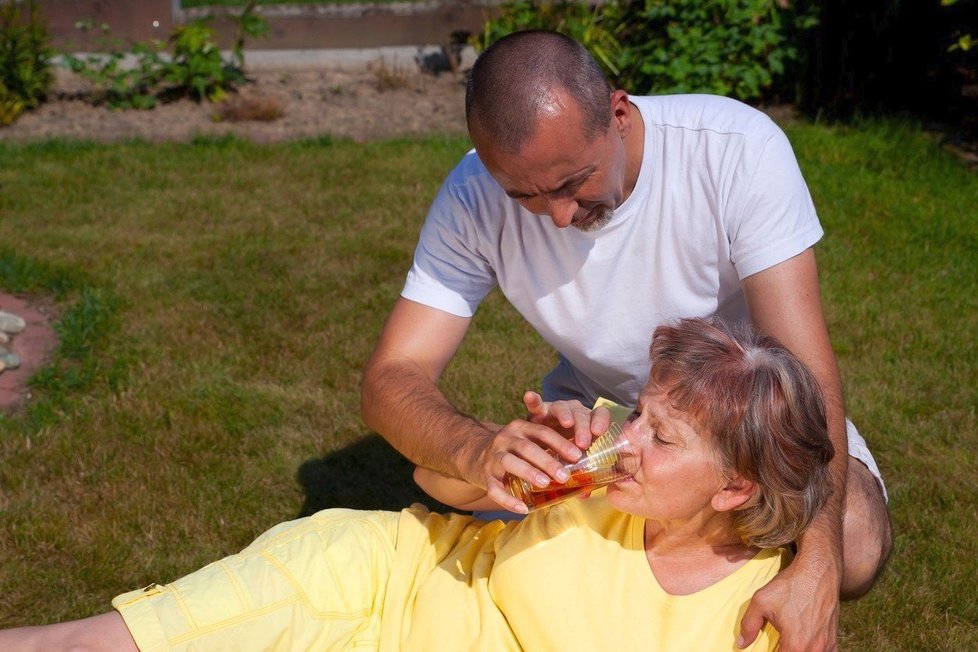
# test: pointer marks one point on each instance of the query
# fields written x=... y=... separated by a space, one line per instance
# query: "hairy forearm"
x=401 y=403
x=824 y=536
x=784 y=301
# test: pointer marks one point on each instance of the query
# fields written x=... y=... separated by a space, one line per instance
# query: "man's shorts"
x=317 y=583
x=859 y=450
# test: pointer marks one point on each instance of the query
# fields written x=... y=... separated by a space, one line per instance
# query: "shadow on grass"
x=368 y=474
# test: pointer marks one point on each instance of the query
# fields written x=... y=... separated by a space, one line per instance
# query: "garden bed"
x=375 y=101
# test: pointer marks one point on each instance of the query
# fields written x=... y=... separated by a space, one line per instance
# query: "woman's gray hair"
x=764 y=411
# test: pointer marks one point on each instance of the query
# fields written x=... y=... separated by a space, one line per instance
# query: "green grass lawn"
x=219 y=298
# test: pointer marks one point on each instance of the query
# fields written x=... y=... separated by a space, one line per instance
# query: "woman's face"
x=678 y=473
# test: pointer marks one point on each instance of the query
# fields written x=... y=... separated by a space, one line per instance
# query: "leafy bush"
x=739 y=48
x=585 y=24
x=962 y=40
x=123 y=80
x=727 y=47
x=25 y=59
x=197 y=66
x=139 y=78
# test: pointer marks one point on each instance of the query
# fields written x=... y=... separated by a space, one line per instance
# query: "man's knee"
x=867 y=532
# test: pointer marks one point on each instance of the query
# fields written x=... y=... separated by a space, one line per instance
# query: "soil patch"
x=370 y=102
x=33 y=345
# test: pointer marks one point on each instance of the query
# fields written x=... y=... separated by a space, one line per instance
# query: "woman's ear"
x=734 y=494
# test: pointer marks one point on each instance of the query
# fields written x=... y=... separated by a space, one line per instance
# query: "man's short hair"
x=764 y=412
x=515 y=79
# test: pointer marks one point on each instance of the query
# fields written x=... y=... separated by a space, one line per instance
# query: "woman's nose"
x=635 y=433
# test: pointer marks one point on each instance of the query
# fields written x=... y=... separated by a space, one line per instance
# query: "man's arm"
x=803 y=601
x=400 y=399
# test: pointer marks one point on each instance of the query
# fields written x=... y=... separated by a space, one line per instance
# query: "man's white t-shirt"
x=719 y=197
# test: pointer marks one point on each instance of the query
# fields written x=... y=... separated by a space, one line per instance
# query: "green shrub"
x=738 y=48
x=197 y=67
x=586 y=24
x=123 y=80
x=139 y=78
x=25 y=59
x=961 y=37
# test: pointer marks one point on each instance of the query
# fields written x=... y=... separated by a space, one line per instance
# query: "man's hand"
x=802 y=603
x=532 y=449
x=570 y=418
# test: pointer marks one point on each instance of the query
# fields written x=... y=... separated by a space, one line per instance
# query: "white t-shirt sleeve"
x=449 y=271
x=775 y=218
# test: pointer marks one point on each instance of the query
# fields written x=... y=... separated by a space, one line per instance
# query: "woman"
x=731 y=434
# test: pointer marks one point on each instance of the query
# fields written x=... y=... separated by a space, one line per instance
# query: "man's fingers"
x=535 y=406
x=565 y=413
x=539 y=475
x=751 y=623
x=530 y=451
x=590 y=425
x=582 y=429
x=497 y=492
x=527 y=458
x=567 y=417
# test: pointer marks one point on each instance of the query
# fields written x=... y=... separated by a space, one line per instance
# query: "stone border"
x=34 y=346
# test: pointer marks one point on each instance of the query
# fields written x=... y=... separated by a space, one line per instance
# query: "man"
x=600 y=216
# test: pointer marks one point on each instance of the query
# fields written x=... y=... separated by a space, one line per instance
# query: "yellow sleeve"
x=618 y=412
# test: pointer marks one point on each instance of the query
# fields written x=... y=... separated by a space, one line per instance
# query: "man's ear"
x=734 y=494
x=621 y=110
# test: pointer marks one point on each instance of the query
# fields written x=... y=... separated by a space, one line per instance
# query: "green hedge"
x=740 y=48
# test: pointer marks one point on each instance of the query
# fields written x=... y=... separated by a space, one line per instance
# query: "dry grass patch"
x=245 y=107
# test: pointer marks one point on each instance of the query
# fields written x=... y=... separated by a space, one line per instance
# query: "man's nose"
x=561 y=210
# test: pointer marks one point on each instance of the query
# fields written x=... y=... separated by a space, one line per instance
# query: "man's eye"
x=577 y=185
x=570 y=188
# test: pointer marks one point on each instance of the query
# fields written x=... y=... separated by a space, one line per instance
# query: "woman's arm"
x=453 y=492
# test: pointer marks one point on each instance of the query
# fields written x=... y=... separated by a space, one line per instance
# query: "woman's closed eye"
x=659 y=440
x=648 y=429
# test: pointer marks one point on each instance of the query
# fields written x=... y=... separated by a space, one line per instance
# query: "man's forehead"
x=556 y=135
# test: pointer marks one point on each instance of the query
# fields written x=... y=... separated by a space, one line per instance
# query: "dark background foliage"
x=885 y=56
x=835 y=59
